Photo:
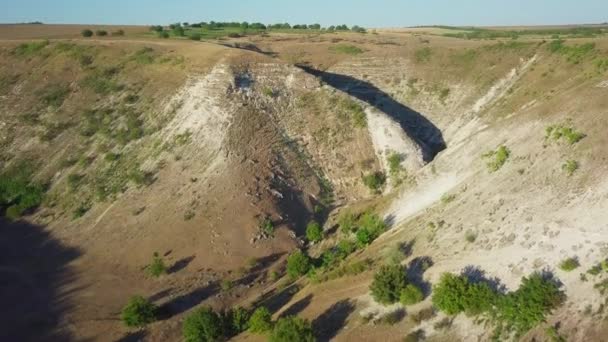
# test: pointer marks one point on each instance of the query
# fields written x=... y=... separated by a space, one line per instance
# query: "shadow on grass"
x=35 y=283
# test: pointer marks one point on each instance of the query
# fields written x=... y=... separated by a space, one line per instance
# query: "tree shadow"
x=35 y=279
x=159 y=295
x=186 y=302
x=298 y=306
x=276 y=299
x=329 y=323
x=406 y=248
x=415 y=125
x=477 y=275
x=415 y=273
x=136 y=336
x=180 y=264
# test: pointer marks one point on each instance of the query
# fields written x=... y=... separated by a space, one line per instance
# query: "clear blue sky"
x=370 y=13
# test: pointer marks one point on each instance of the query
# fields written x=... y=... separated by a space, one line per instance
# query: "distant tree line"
x=178 y=28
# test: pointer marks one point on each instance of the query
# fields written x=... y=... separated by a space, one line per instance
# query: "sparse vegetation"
x=570 y=166
x=346 y=49
x=266 y=227
x=30 y=49
x=497 y=158
x=138 y=312
x=564 y=131
x=423 y=55
x=375 y=181
x=569 y=264
x=347 y=222
x=448 y=198
x=157 y=267
x=470 y=236
x=54 y=94
x=575 y=54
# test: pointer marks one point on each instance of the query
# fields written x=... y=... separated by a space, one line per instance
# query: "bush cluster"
x=204 y=324
x=517 y=311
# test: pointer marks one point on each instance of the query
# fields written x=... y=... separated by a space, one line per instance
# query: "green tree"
x=298 y=263
x=314 y=232
x=260 y=321
x=525 y=308
x=138 y=312
x=87 y=33
x=388 y=283
x=450 y=293
x=203 y=325
x=292 y=329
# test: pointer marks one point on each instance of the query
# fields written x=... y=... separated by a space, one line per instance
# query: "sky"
x=368 y=13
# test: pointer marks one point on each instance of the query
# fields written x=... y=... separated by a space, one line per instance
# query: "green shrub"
x=87 y=33
x=267 y=227
x=157 y=267
x=448 y=198
x=569 y=264
x=497 y=158
x=163 y=34
x=470 y=236
x=346 y=49
x=138 y=312
x=570 y=166
x=375 y=181
x=226 y=285
x=314 y=232
x=195 y=36
x=81 y=210
x=203 y=325
x=364 y=237
x=565 y=131
x=292 y=329
x=298 y=264
x=411 y=294
x=260 y=321
x=118 y=33
x=388 y=283
x=101 y=33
